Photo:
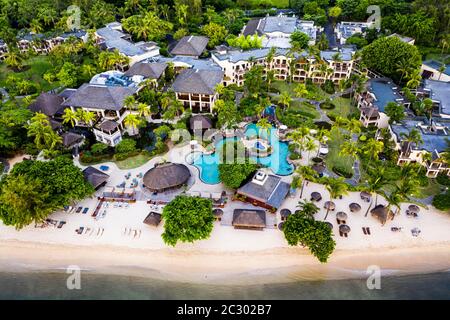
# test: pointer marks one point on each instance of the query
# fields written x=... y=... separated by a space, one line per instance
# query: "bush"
x=327 y=105
x=126 y=146
x=328 y=87
x=442 y=201
x=292 y=147
x=295 y=156
x=126 y=155
x=443 y=179
x=342 y=172
x=99 y=148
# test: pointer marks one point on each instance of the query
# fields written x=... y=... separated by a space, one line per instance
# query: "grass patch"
x=342 y=107
x=135 y=161
x=34 y=69
x=270 y=3
x=333 y=158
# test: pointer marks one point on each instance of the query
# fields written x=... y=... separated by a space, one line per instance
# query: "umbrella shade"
x=341 y=216
x=280 y=225
x=318 y=168
x=344 y=228
x=329 y=205
x=330 y=225
x=218 y=212
x=413 y=208
x=316 y=196
x=365 y=195
x=285 y=213
x=354 y=207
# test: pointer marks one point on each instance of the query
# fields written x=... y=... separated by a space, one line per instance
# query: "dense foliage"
x=187 y=219
x=34 y=189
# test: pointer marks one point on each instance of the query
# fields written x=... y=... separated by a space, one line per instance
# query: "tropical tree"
x=13 y=59
x=308 y=208
x=336 y=187
x=307 y=174
x=309 y=146
x=264 y=126
x=285 y=99
x=40 y=129
x=300 y=90
x=144 y=110
x=414 y=79
x=372 y=148
x=376 y=181
x=395 y=112
x=413 y=136
x=350 y=149
x=299 y=40
x=132 y=121
x=70 y=116
x=404 y=67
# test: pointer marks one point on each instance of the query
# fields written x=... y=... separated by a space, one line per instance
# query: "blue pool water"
x=276 y=161
x=384 y=93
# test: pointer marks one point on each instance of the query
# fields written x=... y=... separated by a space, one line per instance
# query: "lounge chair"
x=364 y=230
x=80 y=230
x=85 y=210
x=368 y=230
x=79 y=209
x=61 y=224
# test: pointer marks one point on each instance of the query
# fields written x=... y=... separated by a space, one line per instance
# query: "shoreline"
x=277 y=265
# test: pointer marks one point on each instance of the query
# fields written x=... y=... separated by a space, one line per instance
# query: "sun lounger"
x=61 y=224
x=364 y=230
x=368 y=230
x=80 y=230
x=79 y=209
x=85 y=210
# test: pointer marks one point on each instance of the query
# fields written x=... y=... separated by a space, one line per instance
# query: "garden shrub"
x=342 y=172
x=443 y=179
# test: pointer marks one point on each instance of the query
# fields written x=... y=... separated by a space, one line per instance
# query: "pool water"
x=276 y=161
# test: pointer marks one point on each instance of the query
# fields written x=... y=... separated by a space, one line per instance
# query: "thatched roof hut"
x=218 y=213
x=343 y=228
x=284 y=213
x=200 y=122
x=319 y=168
x=354 y=207
x=249 y=219
x=341 y=216
x=153 y=219
x=366 y=196
x=166 y=176
x=329 y=205
x=95 y=177
x=280 y=226
x=382 y=213
x=316 y=196
x=413 y=208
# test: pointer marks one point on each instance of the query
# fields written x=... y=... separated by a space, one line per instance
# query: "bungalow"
x=79 y=35
x=346 y=29
x=32 y=41
x=434 y=137
x=147 y=71
x=51 y=105
x=439 y=93
x=107 y=102
x=95 y=177
x=196 y=89
x=431 y=69
x=249 y=219
x=369 y=116
x=190 y=46
x=112 y=38
x=264 y=190
x=3 y=49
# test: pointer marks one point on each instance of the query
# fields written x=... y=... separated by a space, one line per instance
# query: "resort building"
x=408 y=40
x=196 y=89
x=439 y=93
x=80 y=35
x=107 y=102
x=333 y=65
x=3 y=49
x=31 y=41
x=264 y=190
x=51 y=105
x=369 y=116
x=249 y=219
x=277 y=30
x=346 y=29
x=431 y=69
x=166 y=176
x=112 y=38
x=95 y=177
x=72 y=140
x=434 y=137
x=190 y=46
x=145 y=71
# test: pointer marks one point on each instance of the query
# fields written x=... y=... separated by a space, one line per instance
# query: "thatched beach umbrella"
x=318 y=168
x=382 y=213
x=166 y=176
x=329 y=224
x=366 y=196
x=341 y=216
x=280 y=226
x=316 y=196
x=284 y=213
x=413 y=208
x=153 y=219
x=354 y=207
x=344 y=229
x=329 y=205
x=218 y=213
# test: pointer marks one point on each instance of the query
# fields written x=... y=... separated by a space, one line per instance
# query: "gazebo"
x=166 y=176
x=354 y=207
x=366 y=196
x=218 y=213
x=200 y=122
x=285 y=213
x=249 y=219
x=382 y=213
x=153 y=219
x=341 y=217
x=329 y=205
x=316 y=196
x=344 y=230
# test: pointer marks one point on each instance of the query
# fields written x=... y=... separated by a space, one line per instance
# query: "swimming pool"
x=276 y=161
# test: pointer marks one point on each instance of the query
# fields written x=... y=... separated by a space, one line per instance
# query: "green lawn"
x=314 y=91
x=34 y=69
x=134 y=162
x=281 y=4
x=333 y=158
x=343 y=107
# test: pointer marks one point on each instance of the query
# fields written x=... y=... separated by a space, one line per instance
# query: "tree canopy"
x=187 y=219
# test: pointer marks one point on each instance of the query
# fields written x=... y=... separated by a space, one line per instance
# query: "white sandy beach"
x=228 y=255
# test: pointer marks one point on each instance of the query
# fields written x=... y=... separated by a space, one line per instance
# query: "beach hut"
x=285 y=213
x=341 y=217
x=153 y=219
x=166 y=176
x=366 y=196
x=329 y=224
x=280 y=226
x=249 y=219
x=382 y=213
x=95 y=177
x=316 y=196
x=354 y=207
x=329 y=205
x=218 y=213
x=344 y=230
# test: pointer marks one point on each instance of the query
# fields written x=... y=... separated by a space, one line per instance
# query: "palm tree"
x=70 y=116
x=372 y=148
x=285 y=99
x=403 y=66
x=13 y=59
x=132 y=121
x=376 y=180
x=354 y=126
x=414 y=79
x=441 y=70
x=270 y=56
x=265 y=126
x=270 y=77
x=298 y=136
x=40 y=129
x=300 y=90
x=394 y=199
x=426 y=157
x=307 y=174
x=144 y=110
x=322 y=136
x=308 y=208
x=129 y=102
x=310 y=146
x=336 y=188
x=413 y=136
x=349 y=148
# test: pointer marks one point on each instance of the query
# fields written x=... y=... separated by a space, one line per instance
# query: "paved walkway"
x=5 y=95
